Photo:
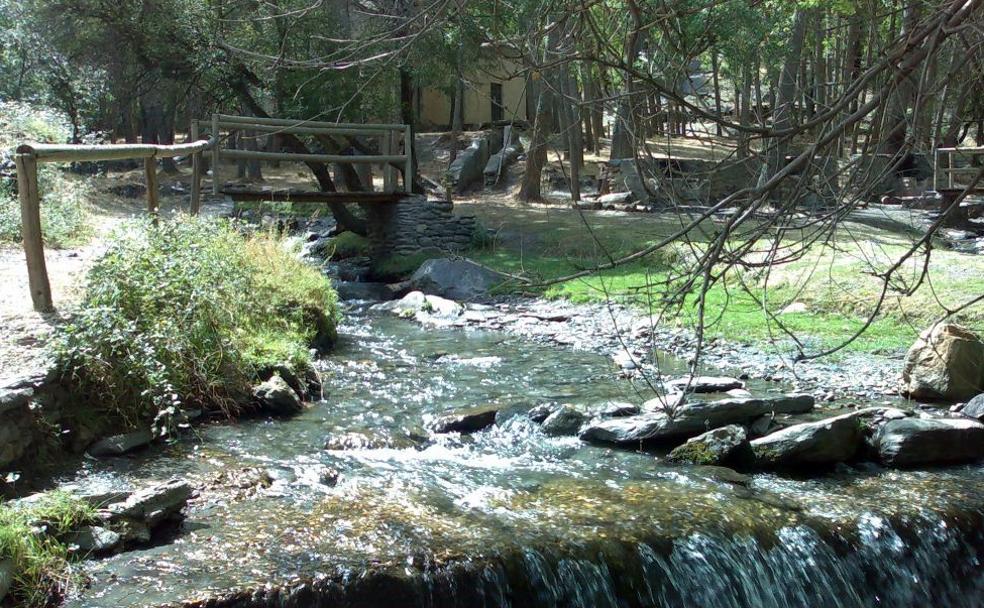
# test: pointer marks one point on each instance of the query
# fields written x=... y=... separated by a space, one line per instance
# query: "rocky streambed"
x=448 y=466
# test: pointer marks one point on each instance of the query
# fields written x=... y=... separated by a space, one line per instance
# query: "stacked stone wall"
x=416 y=224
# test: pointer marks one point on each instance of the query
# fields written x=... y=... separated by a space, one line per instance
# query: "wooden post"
x=215 y=154
x=30 y=204
x=196 y=173
x=150 y=168
x=408 y=152
x=936 y=170
x=389 y=173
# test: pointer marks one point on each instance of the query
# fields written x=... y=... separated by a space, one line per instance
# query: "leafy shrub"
x=65 y=213
x=32 y=539
x=187 y=313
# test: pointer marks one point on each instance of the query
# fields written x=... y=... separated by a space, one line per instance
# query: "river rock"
x=277 y=398
x=95 y=540
x=946 y=363
x=456 y=279
x=541 y=412
x=617 y=409
x=722 y=446
x=974 y=408
x=691 y=419
x=370 y=440
x=406 y=307
x=823 y=442
x=921 y=441
x=153 y=505
x=442 y=308
x=121 y=444
x=566 y=420
x=465 y=421
x=705 y=384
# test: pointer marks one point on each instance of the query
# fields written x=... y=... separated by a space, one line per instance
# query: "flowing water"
x=510 y=517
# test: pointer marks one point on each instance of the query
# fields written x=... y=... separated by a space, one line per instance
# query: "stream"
x=510 y=517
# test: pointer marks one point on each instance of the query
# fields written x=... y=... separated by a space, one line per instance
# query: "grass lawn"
x=833 y=283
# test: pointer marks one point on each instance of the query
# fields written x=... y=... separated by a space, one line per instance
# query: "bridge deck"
x=292 y=196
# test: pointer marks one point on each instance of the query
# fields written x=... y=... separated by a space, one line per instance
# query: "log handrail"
x=53 y=153
x=27 y=157
x=945 y=173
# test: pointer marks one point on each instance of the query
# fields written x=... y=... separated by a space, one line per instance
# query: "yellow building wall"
x=435 y=106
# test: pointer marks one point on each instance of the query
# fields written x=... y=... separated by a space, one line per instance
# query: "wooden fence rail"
x=28 y=156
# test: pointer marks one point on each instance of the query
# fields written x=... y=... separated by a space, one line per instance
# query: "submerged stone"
x=465 y=421
x=566 y=420
x=95 y=540
x=118 y=445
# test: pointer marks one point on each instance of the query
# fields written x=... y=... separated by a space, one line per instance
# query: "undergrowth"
x=186 y=314
x=65 y=211
x=34 y=546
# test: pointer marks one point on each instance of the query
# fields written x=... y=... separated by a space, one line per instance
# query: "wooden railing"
x=948 y=169
x=28 y=156
x=388 y=134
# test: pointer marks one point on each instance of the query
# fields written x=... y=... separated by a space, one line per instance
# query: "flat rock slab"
x=465 y=421
x=922 y=441
x=118 y=445
x=691 y=419
x=823 y=442
x=152 y=505
x=705 y=384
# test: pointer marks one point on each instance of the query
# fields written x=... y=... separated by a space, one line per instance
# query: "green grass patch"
x=835 y=284
x=33 y=544
x=186 y=314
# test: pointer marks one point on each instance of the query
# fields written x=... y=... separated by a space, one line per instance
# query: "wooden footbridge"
x=389 y=137
x=957 y=173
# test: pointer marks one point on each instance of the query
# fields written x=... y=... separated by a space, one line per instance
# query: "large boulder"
x=465 y=421
x=823 y=442
x=922 y=441
x=723 y=446
x=455 y=279
x=277 y=398
x=691 y=419
x=946 y=363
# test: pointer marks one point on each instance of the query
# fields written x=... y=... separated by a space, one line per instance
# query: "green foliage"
x=348 y=245
x=187 y=313
x=65 y=211
x=32 y=538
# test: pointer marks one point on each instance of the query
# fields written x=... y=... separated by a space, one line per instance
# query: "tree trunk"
x=624 y=131
x=717 y=90
x=783 y=115
x=537 y=157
